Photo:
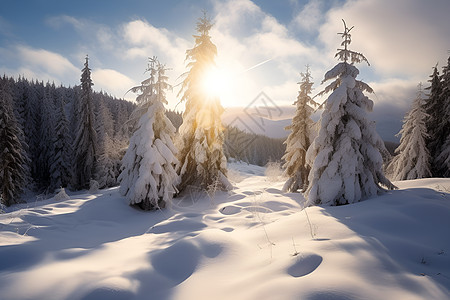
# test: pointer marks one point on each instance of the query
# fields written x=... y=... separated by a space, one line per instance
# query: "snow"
x=253 y=242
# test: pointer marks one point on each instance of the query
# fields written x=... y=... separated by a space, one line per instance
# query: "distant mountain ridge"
x=254 y=121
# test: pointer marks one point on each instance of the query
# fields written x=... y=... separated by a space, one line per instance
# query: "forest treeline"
x=45 y=116
x=46 y=119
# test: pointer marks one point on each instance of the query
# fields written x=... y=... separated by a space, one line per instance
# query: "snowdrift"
x=251 y=243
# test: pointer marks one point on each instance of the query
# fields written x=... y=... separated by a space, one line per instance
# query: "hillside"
x=251 y=243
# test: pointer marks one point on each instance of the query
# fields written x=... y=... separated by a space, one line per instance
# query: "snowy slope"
x=252 y=243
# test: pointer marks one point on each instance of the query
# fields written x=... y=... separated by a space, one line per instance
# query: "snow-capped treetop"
x=345 y=67
x=146 y=92
x=146 y=89
x=200 y=58
x=204 y=25
x=86 y=81
x=345 y=54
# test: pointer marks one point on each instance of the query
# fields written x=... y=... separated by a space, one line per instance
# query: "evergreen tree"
x=85 y=142
x=31 y=126
x=441 y=161
x=413 y=159
x=202 y=163
x=434 y=109
x=121 y=121
x=345 y=156
x=105 y=116
x=46 y=137
x=20 y=101
x=104 y=166
x=299 y=140
x=60 y=169
x=12 y=172
x=147 y=91
x=148 y=178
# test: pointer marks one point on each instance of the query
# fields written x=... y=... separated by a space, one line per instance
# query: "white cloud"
x=47 y=61
x=146 y=40
x=97 y=36
x=394 y=91
x=141 y=40
x=111 y=81
x=311 y=16
x=58 y=21
x=402 y=38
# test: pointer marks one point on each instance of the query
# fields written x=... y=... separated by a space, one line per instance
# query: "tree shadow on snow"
x=106 y=219
x=407 y=232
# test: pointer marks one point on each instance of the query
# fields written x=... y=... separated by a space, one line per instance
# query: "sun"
x=215 y=82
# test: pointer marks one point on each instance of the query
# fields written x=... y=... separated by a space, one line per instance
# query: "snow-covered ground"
x=251 y=243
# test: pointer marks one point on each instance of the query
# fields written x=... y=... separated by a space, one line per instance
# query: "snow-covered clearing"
x=251 y=243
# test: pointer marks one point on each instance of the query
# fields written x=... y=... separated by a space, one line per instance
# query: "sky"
x=262 y=45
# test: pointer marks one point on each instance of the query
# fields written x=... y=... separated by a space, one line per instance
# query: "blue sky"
x=403 y=40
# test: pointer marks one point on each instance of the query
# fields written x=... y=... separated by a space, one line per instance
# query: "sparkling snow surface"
x=251 y=243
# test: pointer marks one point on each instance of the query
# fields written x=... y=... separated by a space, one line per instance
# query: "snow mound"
x=251 y=243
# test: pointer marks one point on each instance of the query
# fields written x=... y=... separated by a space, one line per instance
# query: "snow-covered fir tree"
x=299 y=140
x=61 y=168
x=434 y=109
x=413 y=159
x=12 y=172
x=120 y=126
x=46 y=137
x=148 y=177
x=104 y=116
x=20 y=108
x=30 y=126
x=86 y=137
x=345 y=156
x=202 y=163
x=104 y=165
x=441 y=161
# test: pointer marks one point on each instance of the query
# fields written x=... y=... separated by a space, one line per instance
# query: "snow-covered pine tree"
x=31 y=126
x=20 y=99
x=60 y=169
x=299 y=140
x=105 y=115
x=345 y=156
x=86 y=137
x=202 y=163
x=12 y=172
x=148 y=177
x=46 y=137
x=434 y=108
x=442 y=160
x=104 y=166
x=413 y=159
x=120 y=127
